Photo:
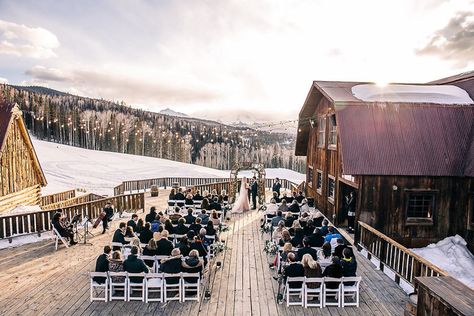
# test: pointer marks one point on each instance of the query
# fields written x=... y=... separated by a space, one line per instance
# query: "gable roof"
x=394 y=138
x=8 y=113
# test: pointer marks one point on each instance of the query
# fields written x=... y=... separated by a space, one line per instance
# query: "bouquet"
x=271 y=248
x=218 y=246
x=223 y=228
x=267 y=228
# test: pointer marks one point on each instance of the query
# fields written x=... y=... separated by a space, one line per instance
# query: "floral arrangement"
x=218 y=246
x=267 y=228
x=263 y=208
x=223 y=228
x=271 y=248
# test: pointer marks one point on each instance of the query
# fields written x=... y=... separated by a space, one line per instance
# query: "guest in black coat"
x=150 y=250
x=348 y=263
x=172 y=265
x=325 y=228
x=289 y=220
x=119 y=235
x=215 y=204
x=133 y=222
x=150 y=217
x=198 y=244
x=189 y=200
x=190 y=218
x=309 y=228
x=198 y=196
x=192 y=264
x=169 y=227
x=109 y=213
x=318 y=219
x=196 y=226
x=294 y=207
x=307 y=250
x=146 y=234
x=300 y=197
x=183 y=246
x=102 y=264
x=339 y=248
x=179 y=196
x=334 y=270
x=293 y=270
x=133 y=264
x=297 y=240
x=63 y=231
x=316 y=239
x=164 y=246
x=181 y=229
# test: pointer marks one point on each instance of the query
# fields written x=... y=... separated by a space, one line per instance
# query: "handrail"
x=57 y=197
x=406 y=264
x=73 y=201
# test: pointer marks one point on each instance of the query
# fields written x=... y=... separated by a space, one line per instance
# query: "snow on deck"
x=439 y=94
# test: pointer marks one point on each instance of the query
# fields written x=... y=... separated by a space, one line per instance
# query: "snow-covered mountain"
x=170 y=112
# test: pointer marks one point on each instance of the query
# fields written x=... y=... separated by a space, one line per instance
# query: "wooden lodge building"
x=405 y=150
x=21 y=176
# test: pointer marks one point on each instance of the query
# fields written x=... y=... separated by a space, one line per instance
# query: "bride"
x=242 y=203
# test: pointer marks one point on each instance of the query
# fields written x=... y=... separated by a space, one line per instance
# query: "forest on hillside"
x=104 y=125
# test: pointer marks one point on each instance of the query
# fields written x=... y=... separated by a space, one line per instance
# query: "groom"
x=254 y=193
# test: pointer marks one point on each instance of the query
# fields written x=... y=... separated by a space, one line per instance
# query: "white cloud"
x=3 y=80
x=24 y=41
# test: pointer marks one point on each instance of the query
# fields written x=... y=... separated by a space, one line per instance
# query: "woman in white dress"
x=242 y=203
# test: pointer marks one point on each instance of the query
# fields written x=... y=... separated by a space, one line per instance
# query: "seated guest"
x=306 y=250
x=156 y=236
x=133 y=222
x=205 y=204
x=183 y=246
x=175 y=216
x=129 y=233
x=332 y=236
x=294 y=207
x=189 y=200
x=225 y=197
x=309 y=228
x=294 y=269
x=196 y=226
x=179 y=195
x=348 y=263
x=288 y=199
x=283 y=206
x=169 y=227
x=172 y=265
x=316 y=239
x=304 y=218
x=164 y=246
x=325 y=227
x=133 y=264
x=215 y=204
x=150 y=250
x=297 y=240
x=210 y=230
x=198 y=196
x=300 y=197
x=116 y=265
x=140 y=225
x=206 y=194
x=102 y=264
x=214 y=193
x=61 y=229
x=272 y=208
x=285 y=237
x=277 y=218
x=202 y=236
x=190 y=235
x=119 y=235
x=198 y=244
x=146 y=234
x=334 y=270
x=289 y=219
x=215 y=218
x=190 y=218
x=294 y=195
x=304 y=206
x=312 y=269
x=276 y=197
x=136 y=242
x=181 y=229
x=172 y=195
x=324 y=255
x=294 y=226
x=339 y=247
x=287 y=249
x=204 y=217
x=318 y=219
x=156 y=223
x=276 y=235
x=150 y=217
x=192 y=264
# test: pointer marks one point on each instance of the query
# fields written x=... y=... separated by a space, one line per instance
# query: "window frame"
x=319 y=175
x=321 y=138
x=332 y=197
x=422 y=221
x=310 y=172
x=332 y=132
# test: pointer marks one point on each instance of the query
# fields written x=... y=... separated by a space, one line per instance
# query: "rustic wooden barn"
x=21 y=175
x=409 y=160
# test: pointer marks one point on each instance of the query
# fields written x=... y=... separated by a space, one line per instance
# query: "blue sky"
x=229 y=60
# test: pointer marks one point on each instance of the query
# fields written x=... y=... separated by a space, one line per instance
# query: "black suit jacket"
x=254 y=187
x=109 y=212
x=215 y=206
x=189 y=219
x=101 y=265
x=150 y=217
x=164 y=247
x=294 y=270
x=179 y=197
x=305 y=250
x=119 y=237
x=338 y=250
x=145 y=236
x=276 y=188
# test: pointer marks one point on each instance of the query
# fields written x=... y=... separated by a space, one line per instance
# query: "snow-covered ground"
x=451 y=255
x=68 y=167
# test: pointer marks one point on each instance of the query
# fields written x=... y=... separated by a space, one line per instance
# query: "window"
x=332 y=142
x=331 y=188
x=319 y=182
x=321 y=131
x=310 y=176
x=420 y=205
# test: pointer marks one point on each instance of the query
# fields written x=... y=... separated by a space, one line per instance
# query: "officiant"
x=254 y=190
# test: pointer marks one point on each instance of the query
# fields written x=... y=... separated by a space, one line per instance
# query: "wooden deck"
x=37 y=280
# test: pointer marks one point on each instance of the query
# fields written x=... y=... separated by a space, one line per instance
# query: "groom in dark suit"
x=254 y=190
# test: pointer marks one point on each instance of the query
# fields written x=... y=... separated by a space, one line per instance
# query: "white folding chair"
x=294 y=291
x=154 y=284
x=97 y=286
x=189 y=285
x=116 y=285
x=313 y=287
x=134 y=285
x=350 y=290
x=158 y=261
x=177 y=237
x=117 y=244
x=332 y=292
x=172 y=287
x=150 y=258
x=58 y=237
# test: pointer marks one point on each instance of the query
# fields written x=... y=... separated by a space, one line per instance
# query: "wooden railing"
x=38 y=222
x=73 y=201
x=404 y=262
x=57 y=197
x=145 y=185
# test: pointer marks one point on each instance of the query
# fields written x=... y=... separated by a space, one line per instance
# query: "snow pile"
x=68 y=167
x=451 y=255
x=442 y=94
x=20 y=209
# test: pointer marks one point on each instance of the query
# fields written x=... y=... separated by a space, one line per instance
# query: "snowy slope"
x=68 y=167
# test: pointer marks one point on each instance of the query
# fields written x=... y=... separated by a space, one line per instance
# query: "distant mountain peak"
x=170 y=112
